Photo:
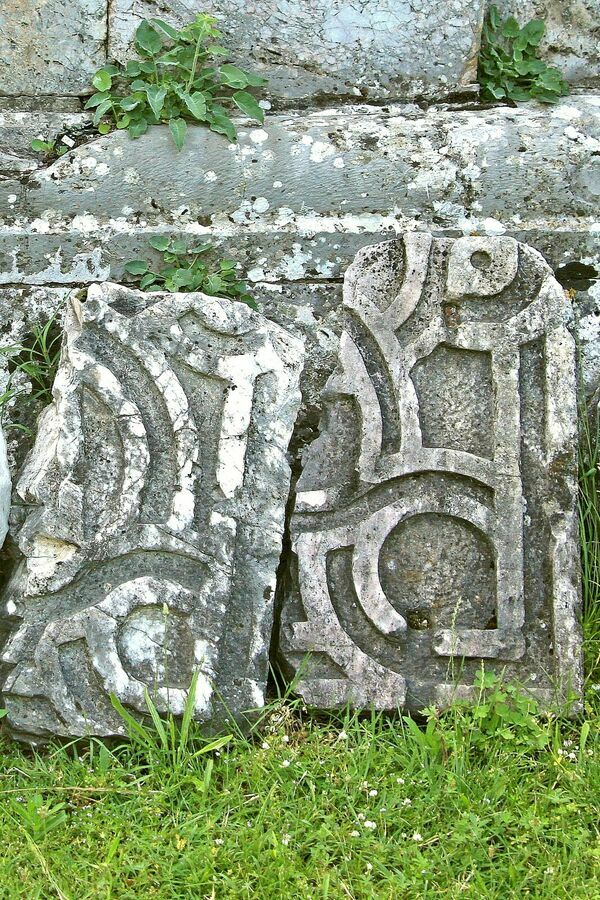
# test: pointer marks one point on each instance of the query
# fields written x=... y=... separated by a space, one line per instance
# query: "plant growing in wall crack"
x=509 y=66
x=187 y=269
x=181 y=76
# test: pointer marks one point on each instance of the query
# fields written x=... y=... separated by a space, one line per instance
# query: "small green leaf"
x=159 y=242
x=165 y=28
x=136 y=267
x=156 y=99
x=196 y=103
x=133 y=68
x=129 y=103
x=138 y=128
x=178 y=130
x=533 y=32
x=222 y=124
x=41 y=146
x=123 y=122
x=101 y=110
x=511 y=27
x=147 y=38
x=102 y=81
x=147 y=280
x=199 y=248
x=233 y=77
x=248 y=105
x=104 y=127
x=96 y=99
x=216 y=50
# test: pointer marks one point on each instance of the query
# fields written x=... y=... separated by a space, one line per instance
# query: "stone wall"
x=373 y=128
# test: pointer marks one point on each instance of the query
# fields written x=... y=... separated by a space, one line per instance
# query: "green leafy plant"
x=50 y=148
x=186 y=269
x=181 y=76
x=36 y=359
x=509 y=66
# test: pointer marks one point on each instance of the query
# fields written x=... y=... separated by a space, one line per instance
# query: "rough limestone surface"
x=572 y=40
x=155 y=498
x=53 y=47
x=5 y=488
x=374 y=48
x=435 y=521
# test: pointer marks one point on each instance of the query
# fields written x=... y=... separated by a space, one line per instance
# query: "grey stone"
x=5 y=488
x=371 y=48
x=435 y=522
x=52 y=47
x=155 y=498
x=381 y=167
x=572 y=39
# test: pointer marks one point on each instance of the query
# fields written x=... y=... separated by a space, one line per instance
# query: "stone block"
x=572 y=39
x=318 y=49
x=435 y=522
x=52 y=47
x=155 y=497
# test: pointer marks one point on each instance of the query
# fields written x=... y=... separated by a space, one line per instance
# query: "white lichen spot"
x=276 y=184
x=102 y=169
x=260 y=205
x=259 y=136
x=338 y=162
x=11 y=199
x=210 y=176
x=321 y=151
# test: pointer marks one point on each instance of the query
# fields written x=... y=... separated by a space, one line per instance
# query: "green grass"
x=345 y=808
x=493 y=801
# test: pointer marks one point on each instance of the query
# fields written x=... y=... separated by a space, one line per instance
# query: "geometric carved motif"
x=154 y=498
x=435 y=525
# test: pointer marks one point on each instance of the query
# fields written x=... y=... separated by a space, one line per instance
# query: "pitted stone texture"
x=572 y=39
x=5 y=488
x=52 y=47
x=371 y=48
x=157 y=488
x=435 y=522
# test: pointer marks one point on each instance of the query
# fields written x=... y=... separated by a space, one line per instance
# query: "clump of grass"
x=32 y=365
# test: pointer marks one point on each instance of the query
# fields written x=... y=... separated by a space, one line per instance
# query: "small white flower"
x=286 y=839
x=342 y=736
x=264 y=745
x=399 y=780
x=286 y=739
x=416 y=836
x=360 y=816
x=369 y=824
x=285 y=763
x=355 y=833
x=407 y=802
x=219 y=842
x=369 y=866
x=549 y=871
x=373 y=793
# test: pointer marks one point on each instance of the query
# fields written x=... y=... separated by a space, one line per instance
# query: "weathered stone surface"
x=435 y=522
x=52 y=47
x=572 y=40
x=395 y=48
x=19 y=127
x=444 y=165
x=156 y=493
x=5 y=488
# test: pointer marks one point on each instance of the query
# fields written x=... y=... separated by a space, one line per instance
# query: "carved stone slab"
x=157 y=486
x=435 y=523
